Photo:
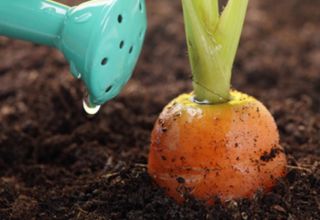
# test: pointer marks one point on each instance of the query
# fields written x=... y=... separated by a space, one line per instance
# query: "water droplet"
x=200 y=102
x=89 y=108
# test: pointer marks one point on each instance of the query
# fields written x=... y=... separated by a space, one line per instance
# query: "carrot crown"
x=213 y=40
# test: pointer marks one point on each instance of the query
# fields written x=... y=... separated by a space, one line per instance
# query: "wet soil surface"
x=55 y=163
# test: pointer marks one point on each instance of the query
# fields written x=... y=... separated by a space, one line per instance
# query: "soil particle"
x=163 y=158
x=181 y=180
x=268 y=156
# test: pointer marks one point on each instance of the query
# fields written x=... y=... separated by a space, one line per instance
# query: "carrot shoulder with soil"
x=215 y=142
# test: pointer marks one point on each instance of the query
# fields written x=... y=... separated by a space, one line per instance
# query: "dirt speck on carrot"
x=267 y=156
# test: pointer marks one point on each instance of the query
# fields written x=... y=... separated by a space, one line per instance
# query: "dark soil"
x=55 y=163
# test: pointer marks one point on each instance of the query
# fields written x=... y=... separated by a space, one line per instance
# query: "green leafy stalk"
x=213 y=41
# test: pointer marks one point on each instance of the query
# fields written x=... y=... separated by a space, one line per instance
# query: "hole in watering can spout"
x=89 y=108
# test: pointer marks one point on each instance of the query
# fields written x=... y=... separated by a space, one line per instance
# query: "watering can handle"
x=38 y=21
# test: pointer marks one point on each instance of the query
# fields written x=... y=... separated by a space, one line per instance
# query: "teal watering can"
x=101 y=39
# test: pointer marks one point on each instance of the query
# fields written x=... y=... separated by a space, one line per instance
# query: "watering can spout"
x=101 y=39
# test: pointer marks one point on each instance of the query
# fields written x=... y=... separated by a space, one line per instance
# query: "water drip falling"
x=89 y=108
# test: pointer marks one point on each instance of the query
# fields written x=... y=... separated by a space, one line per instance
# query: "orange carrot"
x=215 y=142
x=229 y=150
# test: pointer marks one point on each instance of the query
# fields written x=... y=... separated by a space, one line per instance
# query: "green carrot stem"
x=213 y=41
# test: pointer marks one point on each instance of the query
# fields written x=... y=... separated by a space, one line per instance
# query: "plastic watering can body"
x=101 y=39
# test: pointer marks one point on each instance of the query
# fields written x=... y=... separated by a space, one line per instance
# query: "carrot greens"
x=213 y=39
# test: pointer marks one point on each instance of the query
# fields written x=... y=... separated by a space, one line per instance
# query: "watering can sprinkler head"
x=101 y=39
